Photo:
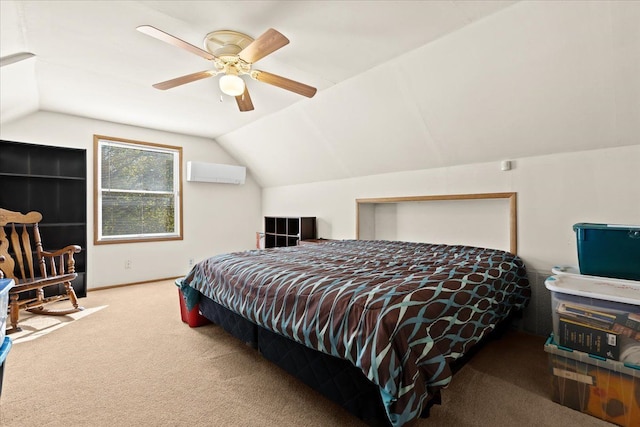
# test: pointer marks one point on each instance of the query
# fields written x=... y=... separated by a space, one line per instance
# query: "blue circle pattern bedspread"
x=399 y=311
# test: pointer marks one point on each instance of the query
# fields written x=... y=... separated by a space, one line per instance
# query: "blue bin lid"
x=592 y=226
x=5 y=285
x=4 y=349
x=603 y=288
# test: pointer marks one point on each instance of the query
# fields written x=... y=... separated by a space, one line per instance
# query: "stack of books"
x=611 y=335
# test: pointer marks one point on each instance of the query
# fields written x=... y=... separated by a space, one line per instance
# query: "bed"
x=374 y=325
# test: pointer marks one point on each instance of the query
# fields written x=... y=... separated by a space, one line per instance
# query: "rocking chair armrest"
x=69 y=250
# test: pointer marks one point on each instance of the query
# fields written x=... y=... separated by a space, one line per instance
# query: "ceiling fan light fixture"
x=231 y=85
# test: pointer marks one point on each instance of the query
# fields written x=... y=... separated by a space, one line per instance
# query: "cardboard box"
x=609 y=250
x=597 y=315
x=602 y=388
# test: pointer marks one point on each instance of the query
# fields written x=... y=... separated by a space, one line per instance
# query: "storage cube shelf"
x=288 y=231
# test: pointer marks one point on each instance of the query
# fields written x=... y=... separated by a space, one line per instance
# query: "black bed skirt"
x=334 y=378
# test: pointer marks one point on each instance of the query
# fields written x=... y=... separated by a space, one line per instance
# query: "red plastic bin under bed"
x=191 y=317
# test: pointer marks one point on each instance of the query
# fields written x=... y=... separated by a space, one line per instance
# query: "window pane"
x=138 y=188
x=125 y=168
x=136 y=213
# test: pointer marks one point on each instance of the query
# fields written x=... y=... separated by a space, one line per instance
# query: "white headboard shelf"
x=459 y=215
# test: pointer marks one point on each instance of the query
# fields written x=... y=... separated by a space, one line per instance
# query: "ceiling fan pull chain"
x=220 y=98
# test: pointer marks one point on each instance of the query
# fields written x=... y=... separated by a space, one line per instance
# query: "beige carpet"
x=35 y=326
x=135 y=363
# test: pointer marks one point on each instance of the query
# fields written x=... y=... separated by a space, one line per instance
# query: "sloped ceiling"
x=401 y=85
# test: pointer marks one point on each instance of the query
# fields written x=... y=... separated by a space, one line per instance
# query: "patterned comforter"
x=401 y=312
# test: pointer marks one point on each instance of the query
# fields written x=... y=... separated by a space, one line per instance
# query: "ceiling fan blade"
x=284 y=83
x=184 y=79
x=10 y=59
x=168 y=38
x=244 y=100
x=267 y=43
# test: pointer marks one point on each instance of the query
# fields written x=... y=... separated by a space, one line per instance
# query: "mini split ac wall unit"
x=214 y=172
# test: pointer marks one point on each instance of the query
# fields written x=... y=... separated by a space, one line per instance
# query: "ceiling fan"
x=233 y=55
x=10 y=59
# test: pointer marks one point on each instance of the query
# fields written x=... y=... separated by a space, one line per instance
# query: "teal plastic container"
x=609 y=250
x=5 y=346
x=5 y=286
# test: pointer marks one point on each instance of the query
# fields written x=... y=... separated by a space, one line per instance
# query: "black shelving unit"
x=288 y=231
x=52 y=181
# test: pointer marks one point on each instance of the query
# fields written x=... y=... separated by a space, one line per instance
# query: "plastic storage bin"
x=605 y=389
x=5 y=285
x=191 y=317
x=609 y=250
x=5 y=346
x=597 y=315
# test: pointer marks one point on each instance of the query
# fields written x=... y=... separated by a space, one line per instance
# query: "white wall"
x=218 y=218
x=475 y=222
x=554 y=192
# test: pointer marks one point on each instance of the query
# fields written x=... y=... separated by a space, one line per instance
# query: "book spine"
x=627 y=332
x=629 y=320
x=587 y=313
x=588 y=339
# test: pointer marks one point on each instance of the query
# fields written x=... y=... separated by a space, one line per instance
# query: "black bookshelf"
x=53 y=181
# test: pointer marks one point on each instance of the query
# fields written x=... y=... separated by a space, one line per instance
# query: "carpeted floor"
x=135 y=363
x=35 y=326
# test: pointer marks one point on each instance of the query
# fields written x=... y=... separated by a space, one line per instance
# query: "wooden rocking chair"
x=16 y=262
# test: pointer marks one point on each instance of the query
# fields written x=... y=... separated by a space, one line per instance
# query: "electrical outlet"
x=191 y=262
x=127 y=264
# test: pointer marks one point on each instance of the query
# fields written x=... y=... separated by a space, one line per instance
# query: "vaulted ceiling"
x=402 y=85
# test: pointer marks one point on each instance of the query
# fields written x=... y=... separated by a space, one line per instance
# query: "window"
x=138 y=195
